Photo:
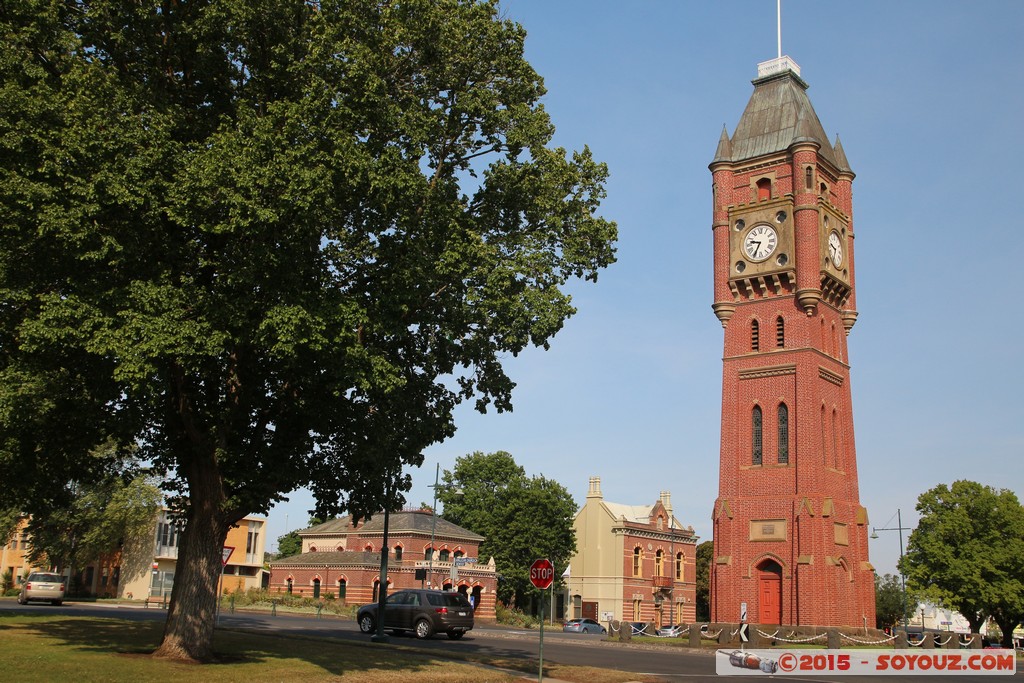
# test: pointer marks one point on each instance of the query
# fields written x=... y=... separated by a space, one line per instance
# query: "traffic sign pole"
x=542 y=576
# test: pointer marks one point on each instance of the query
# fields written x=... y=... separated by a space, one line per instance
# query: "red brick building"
x=790 y=534
x=343 y=559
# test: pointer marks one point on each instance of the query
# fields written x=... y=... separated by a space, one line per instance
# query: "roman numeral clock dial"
x=760 y=242
x=835 y=249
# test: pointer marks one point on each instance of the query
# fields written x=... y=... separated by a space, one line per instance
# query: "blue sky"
x=928 y=99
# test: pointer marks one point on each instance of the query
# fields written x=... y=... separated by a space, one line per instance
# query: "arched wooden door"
x=769 y=578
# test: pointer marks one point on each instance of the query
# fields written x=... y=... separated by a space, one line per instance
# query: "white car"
x=43 y=586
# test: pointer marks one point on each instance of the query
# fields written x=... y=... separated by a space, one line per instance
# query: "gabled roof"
x=640 y=514
x=778 y=114
x=414 y=521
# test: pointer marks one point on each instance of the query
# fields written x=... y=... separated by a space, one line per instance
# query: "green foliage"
x=272 y=243
x=968 y=548
x=522 y=518
x=289 y=544
x=99 y=520
x=9 y=519
x=705 y=555
x=510 y=616
x=6 y=580
x=892 y=604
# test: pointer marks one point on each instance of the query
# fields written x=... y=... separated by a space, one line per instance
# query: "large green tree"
x=101 y=518
x=968 y=548
x=892 y=604
x=272 y=243
x=522 y=518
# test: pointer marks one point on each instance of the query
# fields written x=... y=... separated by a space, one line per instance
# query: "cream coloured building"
x=632 y=562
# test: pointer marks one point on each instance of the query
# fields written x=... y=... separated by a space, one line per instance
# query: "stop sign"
x=542 y=573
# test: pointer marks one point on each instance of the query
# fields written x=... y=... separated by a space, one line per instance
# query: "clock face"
x=835 y=248
x=760 y=242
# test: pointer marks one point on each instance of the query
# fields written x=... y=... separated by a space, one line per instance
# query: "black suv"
x=424 y=612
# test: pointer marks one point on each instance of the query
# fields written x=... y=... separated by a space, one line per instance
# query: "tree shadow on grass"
x=233 y=648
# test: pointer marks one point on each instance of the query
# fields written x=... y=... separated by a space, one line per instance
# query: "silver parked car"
x=583 y=626
x=43 y=586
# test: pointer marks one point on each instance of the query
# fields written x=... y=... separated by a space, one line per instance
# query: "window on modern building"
x=756 y=440
x=783 y=433
x=780 y=332
x=755 y=336
x=764 y=189
x=638 y=556
x=659 y=563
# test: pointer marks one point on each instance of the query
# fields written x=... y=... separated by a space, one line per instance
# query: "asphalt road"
x=672 y=664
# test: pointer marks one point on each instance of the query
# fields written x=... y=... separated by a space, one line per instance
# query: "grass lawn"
x=44 y=648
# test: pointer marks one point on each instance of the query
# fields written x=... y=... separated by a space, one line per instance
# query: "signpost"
x=225 y=555
x=542 y=575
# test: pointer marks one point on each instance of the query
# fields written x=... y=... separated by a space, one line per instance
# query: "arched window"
x=443 y=556
x=638 y=556
x=783 y=433
x=679 y=566
x=398 y=553
x=659 y=563
x=835 y=439
x=764 y=189
x=342 y=588
x=809 y=178
x=824 y=441
x=756 y=435
x=755 y=336
x=457 y=554
x=427 y=553
x=780 y=332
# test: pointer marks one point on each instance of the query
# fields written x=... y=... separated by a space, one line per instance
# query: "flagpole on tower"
x=778 y=23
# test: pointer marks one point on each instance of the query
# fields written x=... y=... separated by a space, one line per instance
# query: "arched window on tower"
x=835 y=439
x=764 y=189
x=756 y=452
x=809 y=178
x=783 y=434
x=780 y=332
x=755 y=336
x=824 y=441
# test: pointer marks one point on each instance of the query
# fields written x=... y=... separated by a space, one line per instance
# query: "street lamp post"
x=382 y=587
x=903 y=579
x=433 y=522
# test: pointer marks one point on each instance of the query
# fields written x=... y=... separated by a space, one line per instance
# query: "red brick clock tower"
x=790 y=533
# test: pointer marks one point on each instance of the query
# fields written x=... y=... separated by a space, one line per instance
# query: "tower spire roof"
x=778 y=114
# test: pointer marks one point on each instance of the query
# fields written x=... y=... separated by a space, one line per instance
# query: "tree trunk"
x=188 y=633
